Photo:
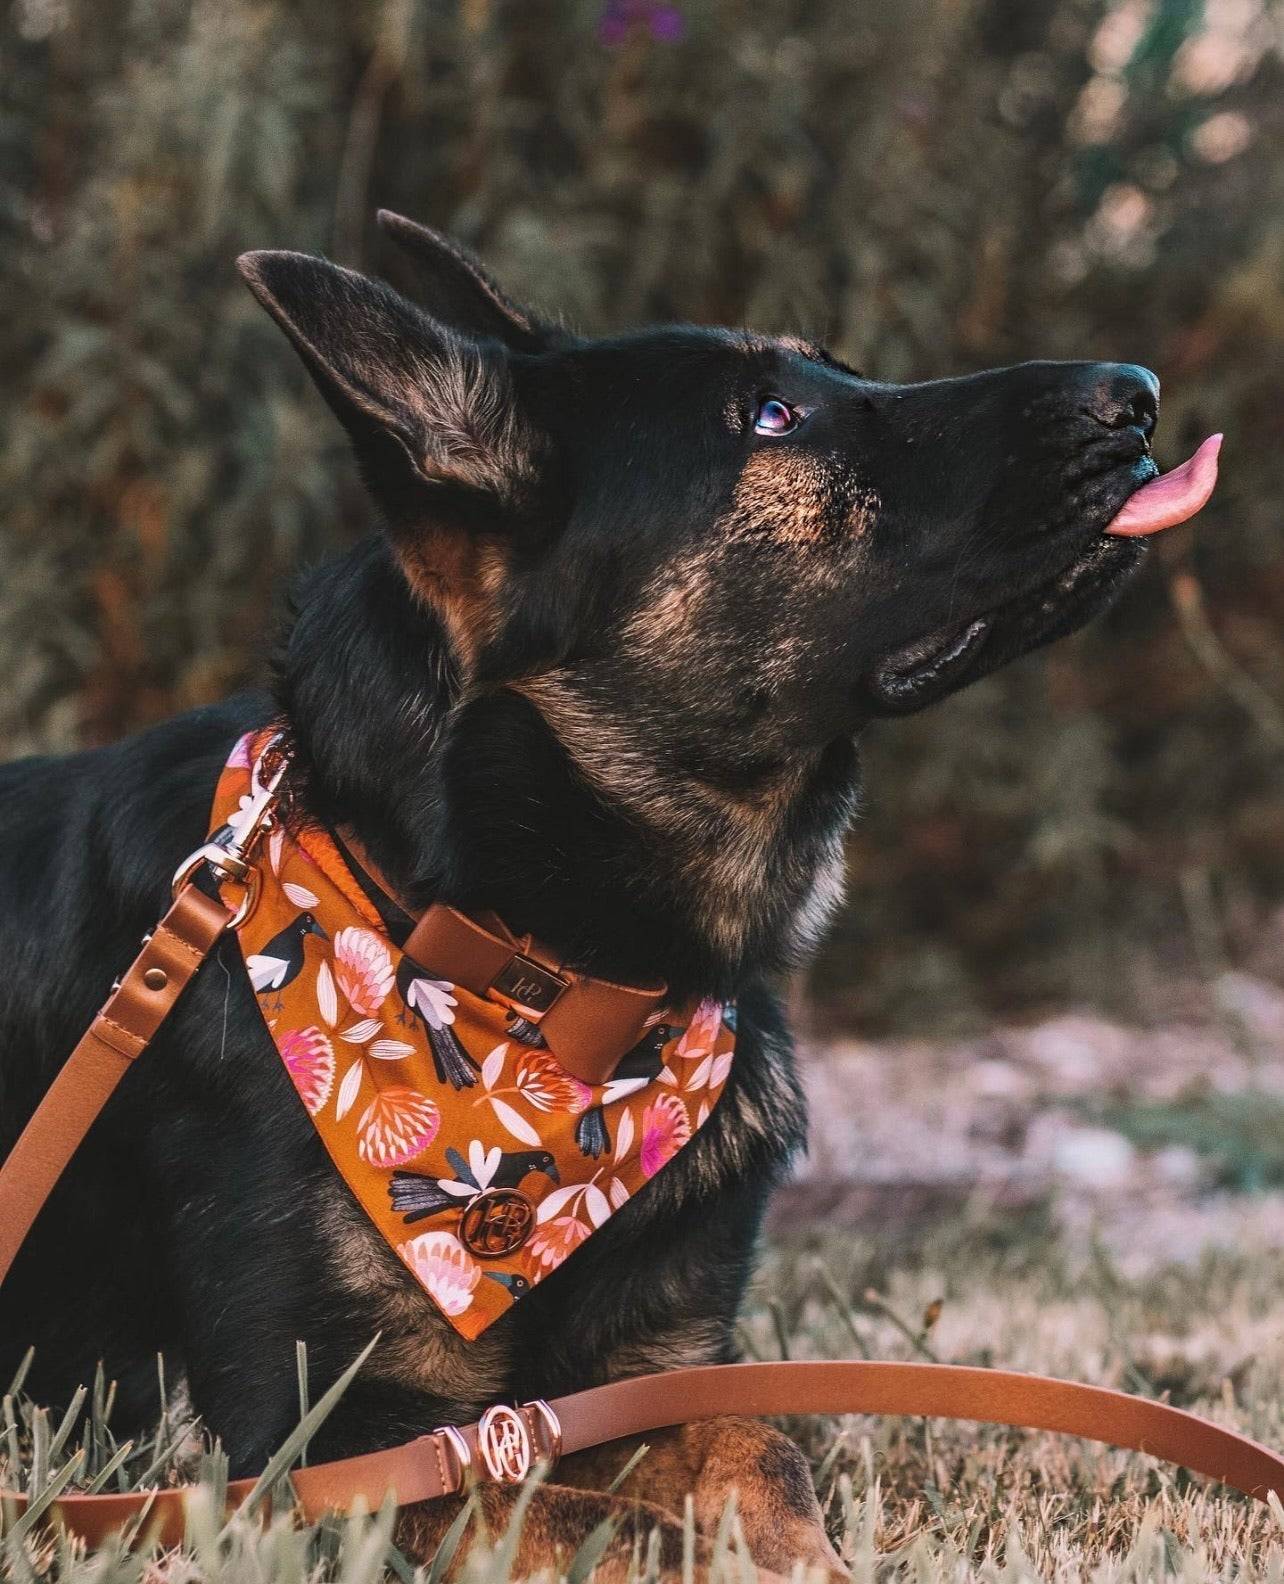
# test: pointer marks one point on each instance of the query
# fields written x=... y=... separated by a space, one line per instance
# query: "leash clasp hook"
x=228 y=860
x=224 y=865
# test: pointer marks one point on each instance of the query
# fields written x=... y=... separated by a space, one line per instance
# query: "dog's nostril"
x=1123 y=396
x=1140 y=413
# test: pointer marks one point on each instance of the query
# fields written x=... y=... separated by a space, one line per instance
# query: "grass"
x=1239 y=1135
x=909 y=1500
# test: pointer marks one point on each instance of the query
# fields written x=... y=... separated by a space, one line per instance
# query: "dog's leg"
x=712 y=1460
x=556 y=1524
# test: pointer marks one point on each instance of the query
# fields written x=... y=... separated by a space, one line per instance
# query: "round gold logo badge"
x=496 y=1223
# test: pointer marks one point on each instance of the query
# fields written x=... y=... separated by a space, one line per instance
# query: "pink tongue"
x=1173 y=497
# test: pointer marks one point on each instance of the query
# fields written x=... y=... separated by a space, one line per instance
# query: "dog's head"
x=721 y=549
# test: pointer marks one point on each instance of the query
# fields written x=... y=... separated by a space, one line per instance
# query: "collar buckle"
x=532 y=988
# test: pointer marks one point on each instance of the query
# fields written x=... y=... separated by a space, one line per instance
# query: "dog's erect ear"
x=459 y=292
x=391 y=373
x=439 y=434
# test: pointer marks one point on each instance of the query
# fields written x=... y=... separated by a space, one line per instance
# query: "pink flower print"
x=544 y=1083
x=447 y=1270
x=558 y=1239
x=240 y=758
x=397 y=1125
x=666 y=1127
x=701 y=1032
x=363 y=967
x=309 y=1060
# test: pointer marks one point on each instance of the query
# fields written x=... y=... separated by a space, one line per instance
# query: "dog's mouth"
x=940 y=662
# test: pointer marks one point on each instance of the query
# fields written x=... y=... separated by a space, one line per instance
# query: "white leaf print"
x=595 y=1203
x=721 y=1067
x=483 y=1162
x=434 y=1000
x=275 y=842
x=300 y=895
x=457 y=1189
x=359 y=1033
x=619 y=1087
x=348 y=1090
x=623 y=1134
x=700 y=1077
x=668 y=1076
x=493 y=1066
x=327 y=996
x=266 y=973
x=391 y=1050
x=618 y=1193
x=554 y=1203
x=703 y=1115
x=518 y=1126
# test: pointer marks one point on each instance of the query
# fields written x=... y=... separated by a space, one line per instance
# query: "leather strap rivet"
x=155 y=978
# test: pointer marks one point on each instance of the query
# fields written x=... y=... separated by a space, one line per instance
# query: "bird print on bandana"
x=432 y=1002
x=636 y=1069
x=439 y=1106
x=415 y=1197
x=281 y=960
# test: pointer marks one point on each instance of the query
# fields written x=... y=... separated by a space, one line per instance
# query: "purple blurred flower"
x=667 y=23
x=620 y=18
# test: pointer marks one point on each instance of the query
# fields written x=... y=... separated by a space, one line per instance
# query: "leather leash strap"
x=432 y=1466
x=506 y=1440
x=121 y=1032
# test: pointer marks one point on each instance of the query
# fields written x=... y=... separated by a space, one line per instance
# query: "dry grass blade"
x=450 y=1542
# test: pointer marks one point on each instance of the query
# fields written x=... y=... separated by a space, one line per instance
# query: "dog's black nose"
x=1120 y=396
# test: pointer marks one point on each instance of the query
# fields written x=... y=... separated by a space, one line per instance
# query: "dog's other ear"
x=459 y=292
x=440 y=436
x=392 y=373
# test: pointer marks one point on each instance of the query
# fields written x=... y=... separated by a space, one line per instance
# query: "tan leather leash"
x=507 y=1442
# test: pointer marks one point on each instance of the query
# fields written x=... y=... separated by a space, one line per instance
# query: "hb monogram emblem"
x=505 y=1444
x=496 y=1223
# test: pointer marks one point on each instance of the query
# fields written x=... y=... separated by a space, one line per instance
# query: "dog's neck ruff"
x=482 y=1159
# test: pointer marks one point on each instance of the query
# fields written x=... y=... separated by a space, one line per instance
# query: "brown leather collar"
x=588 y=1024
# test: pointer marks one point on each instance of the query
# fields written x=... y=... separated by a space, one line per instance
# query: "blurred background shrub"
x=930 y=185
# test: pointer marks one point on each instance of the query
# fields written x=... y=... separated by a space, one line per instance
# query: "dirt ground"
x=1159 y=1142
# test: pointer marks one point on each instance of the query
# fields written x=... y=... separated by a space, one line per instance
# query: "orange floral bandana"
x=481 y=1160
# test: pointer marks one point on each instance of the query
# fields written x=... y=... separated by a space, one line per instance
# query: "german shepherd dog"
x=603 y=672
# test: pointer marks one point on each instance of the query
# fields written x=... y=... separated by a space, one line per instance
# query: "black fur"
x=604 y=675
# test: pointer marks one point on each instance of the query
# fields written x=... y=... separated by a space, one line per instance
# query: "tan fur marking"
x=462 y=579
x=711 y=1461
x=418 y=1346
x=724 y=843
x=781 y=491
x=792 y=495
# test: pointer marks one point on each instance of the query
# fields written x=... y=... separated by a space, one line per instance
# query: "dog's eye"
x=774 y=417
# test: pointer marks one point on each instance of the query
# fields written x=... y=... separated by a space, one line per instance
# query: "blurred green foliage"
x=1239 y=1136
x=932 y=186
